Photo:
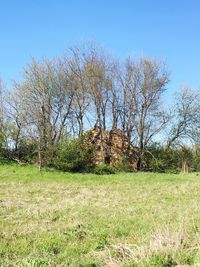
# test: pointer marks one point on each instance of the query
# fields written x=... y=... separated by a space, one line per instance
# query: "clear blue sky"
x=168 y=30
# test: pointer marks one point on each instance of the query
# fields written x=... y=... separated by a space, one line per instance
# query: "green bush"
x=74 y=156
x=196 y=159
x=104 y=169
x=171 y=160
x=161 y=159
x=123 y=166
x=27 y=151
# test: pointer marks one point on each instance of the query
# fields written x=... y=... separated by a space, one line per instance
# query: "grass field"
x=51 y=218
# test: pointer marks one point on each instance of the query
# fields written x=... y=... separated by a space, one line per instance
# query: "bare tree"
x=81 y=101
x=185 y=118
x=143 y=84
x=3 y=127
x=15 y=116
x=88 y=87
x=127 y=104
x=47 y=99
x=98 y=73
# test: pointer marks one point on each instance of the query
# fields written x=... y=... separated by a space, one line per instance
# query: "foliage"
x=85 y=88
x=160 y=159
x=196 y=159
x=123 y=166
x=172 y=160
x=74 y=156
x=27 y=151
x=103 y=169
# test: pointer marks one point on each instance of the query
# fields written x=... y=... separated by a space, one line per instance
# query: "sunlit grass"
x=51 y=218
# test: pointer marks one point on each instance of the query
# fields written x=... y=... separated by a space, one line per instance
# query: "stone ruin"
x=111 y=147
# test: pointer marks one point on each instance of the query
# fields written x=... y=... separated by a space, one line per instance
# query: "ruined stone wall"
x=111 y=147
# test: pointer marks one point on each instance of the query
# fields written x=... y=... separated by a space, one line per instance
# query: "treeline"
x=44 y=117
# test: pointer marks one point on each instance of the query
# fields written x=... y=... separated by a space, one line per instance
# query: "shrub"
x=161 y=159
x=74 y=156
x=27 y=151
x=104 y=169
x=123 y=166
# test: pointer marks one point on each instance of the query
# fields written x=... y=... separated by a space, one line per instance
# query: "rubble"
x=111 y=147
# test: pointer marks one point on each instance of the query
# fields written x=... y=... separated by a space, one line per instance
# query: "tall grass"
x=52 y=218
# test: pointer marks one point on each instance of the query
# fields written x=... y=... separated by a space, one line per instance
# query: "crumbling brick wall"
x=112 y=147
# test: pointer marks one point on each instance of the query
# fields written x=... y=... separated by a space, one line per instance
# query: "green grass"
x=51 y=218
